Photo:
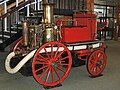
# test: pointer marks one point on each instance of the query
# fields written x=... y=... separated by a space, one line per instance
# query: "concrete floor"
x=77 y=80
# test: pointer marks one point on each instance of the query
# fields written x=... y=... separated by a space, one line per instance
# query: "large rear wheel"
x=51 y=64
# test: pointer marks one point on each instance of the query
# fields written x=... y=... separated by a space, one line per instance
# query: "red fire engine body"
x=52 y=58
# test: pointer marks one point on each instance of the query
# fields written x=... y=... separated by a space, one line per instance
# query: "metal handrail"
x=14 y=4
x=8 y=14
x=4 y=2
x=15 y=9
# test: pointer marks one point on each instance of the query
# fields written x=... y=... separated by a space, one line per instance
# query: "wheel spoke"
x=63 y=64
x=92 y=61
x=60 y=61
x=42 y=57
x=46 y=53
x=56 y=73
x=99 y=68
x=52 y=50
x=96 y=58
x=92 y=66
x=100 y=56
x=39 y=62
x=102 y=62
x=56 y=51
x=48 y=74
x=62 y=58
x=60 y=69
x=95 y=69
x=52 y=72
x=59 y=54
x=44 y=72
x=43 y=67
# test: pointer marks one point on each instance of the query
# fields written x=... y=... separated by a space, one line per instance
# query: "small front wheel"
x=96 y=63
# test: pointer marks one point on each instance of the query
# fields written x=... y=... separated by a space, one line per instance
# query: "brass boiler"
x=25 y=33
x=48 y=22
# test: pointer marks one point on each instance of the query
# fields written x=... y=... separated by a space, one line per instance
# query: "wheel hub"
x=54 y=64
x=98 y=63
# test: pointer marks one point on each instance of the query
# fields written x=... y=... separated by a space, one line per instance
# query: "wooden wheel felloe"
x=96 y=63
x=51 y=64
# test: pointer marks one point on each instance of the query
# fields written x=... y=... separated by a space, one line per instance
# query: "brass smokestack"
x=25 y=33
x=48 y=12
x=48 y=20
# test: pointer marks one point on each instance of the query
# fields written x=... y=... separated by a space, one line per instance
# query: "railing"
x=14 y=16
x=6 y=8
x=12 y=5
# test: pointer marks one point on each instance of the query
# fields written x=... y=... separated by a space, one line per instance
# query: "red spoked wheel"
x=96 y=63
x=18 y=45
x=51 y=64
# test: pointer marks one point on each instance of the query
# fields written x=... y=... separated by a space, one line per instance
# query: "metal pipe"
x=25 y=33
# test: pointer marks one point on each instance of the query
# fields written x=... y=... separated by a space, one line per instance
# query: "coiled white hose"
x=20 y=64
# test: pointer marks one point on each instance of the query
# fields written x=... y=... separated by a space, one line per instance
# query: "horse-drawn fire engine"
x=52 y=47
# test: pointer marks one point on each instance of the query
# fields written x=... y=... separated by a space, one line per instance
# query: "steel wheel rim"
x=54 y=69
x=96 y=63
